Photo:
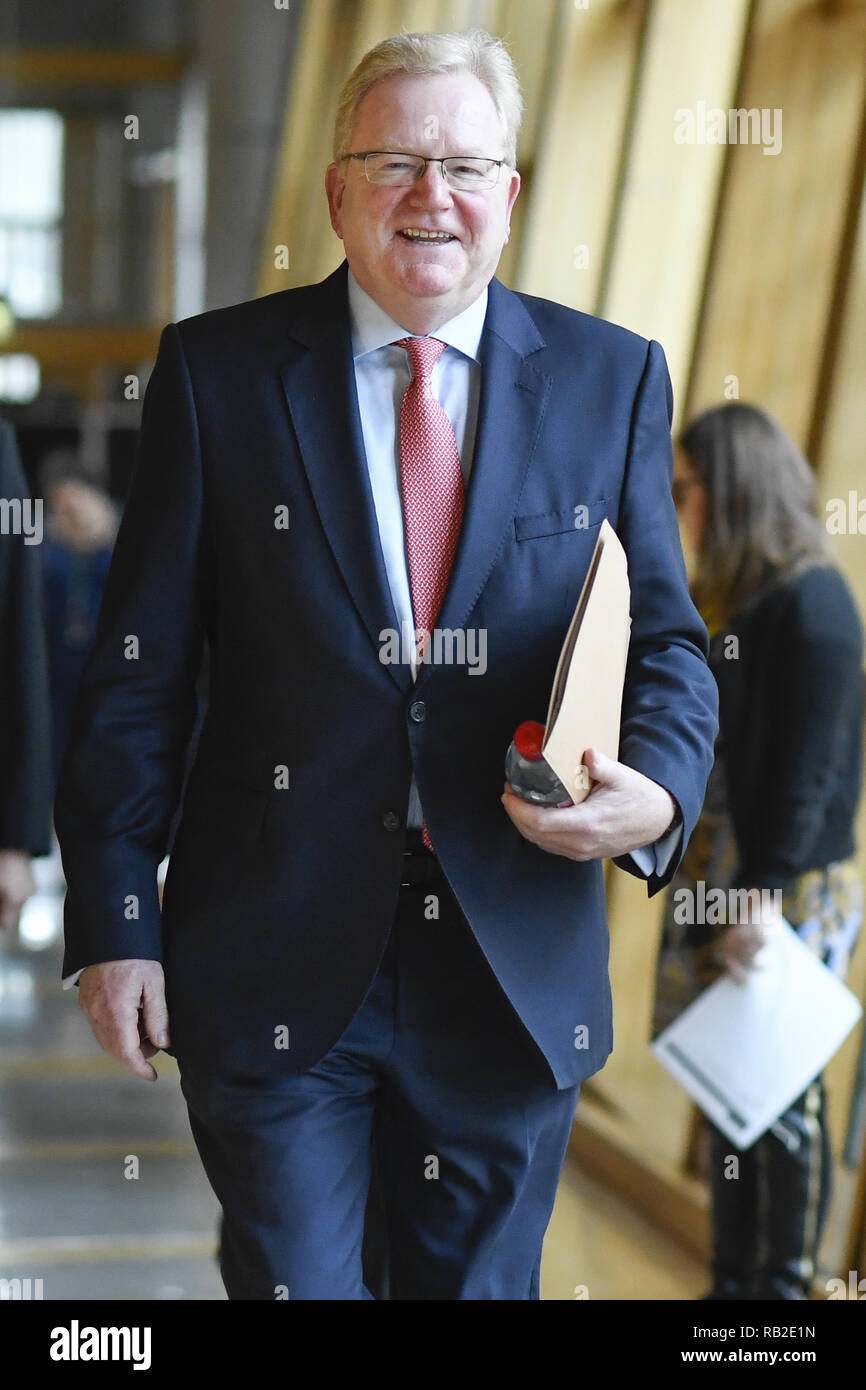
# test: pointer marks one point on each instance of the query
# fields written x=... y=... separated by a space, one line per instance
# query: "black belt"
x=419 y=865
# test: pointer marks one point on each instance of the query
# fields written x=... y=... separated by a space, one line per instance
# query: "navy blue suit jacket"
x=279 y=900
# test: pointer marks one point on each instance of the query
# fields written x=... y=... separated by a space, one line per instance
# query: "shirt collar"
x=373 y=328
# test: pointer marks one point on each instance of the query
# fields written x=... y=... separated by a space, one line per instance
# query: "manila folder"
x=586 y=700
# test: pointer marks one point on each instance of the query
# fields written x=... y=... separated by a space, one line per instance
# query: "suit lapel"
x=319 y=384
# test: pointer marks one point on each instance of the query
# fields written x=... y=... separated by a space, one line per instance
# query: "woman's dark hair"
x=760 y=505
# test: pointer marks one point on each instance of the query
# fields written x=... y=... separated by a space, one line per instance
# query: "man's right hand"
x=125 y=1005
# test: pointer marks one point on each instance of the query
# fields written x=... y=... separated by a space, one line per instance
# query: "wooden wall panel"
x=298 y=216
x=774 y=259
x=375 y=20
x=632 y=1085
x=659 y=249
x=577 y=154
x=531 y=34
x=668 y=199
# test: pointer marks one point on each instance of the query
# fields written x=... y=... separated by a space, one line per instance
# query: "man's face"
x=423 y=284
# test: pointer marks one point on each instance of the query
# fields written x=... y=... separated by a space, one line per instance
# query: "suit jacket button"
x=391 y=820
x=418 y=711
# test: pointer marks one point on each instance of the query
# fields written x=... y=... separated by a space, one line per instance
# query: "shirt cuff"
x=70 y=980
x=655 y=858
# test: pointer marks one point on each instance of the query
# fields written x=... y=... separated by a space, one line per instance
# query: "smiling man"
x=373 y=960
x=421 y=239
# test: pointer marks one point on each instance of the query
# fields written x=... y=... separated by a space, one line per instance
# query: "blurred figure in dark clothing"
x=25 y=780
x=81 y=525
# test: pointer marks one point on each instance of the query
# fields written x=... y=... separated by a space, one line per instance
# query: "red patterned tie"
x=433 y=493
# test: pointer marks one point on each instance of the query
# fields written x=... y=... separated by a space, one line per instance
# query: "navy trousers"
x=437 y=1093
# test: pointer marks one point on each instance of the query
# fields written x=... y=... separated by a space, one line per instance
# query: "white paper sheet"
x=744 y=1052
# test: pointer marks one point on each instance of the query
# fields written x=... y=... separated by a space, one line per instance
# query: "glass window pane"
x=31 y=266
x=31 y=166
x=20 y=377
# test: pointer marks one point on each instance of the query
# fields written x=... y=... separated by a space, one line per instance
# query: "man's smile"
x=425 y=235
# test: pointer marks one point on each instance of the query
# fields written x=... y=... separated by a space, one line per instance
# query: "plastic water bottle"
x=527 y=772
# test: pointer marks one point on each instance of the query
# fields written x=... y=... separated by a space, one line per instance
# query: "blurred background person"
x=780 y=805
x=80 y=526
x=25 y=790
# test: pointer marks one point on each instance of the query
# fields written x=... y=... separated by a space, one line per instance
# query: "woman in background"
x=786 y=650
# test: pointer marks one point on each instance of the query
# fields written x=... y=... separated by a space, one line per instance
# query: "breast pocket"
x=582 y=517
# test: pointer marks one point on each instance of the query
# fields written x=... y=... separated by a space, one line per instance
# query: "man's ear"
x=514 y=189
x=335 y=185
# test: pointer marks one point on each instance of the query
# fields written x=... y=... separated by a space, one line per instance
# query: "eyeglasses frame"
x=365 y=155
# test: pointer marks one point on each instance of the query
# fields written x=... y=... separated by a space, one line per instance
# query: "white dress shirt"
x=382 y=374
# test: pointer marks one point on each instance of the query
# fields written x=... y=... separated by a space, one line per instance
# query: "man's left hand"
x=624 y=810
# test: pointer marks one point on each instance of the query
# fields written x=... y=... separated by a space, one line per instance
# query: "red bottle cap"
x=528 y=739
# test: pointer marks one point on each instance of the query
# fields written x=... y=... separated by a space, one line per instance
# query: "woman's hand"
x=742 y=942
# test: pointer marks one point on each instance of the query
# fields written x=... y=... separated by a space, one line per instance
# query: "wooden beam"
x=577 y=154
x=836 y=315
x=298 y=217
x=783 y=220
x=667 y=203
x=529 y=31
x=90 y=67
x=60 y=346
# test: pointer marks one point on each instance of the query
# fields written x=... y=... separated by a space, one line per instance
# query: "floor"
x=101 y=1191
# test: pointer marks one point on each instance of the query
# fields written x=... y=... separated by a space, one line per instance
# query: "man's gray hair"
x=474 y=51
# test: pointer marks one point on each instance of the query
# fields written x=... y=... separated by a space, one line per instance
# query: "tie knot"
x=424 y=353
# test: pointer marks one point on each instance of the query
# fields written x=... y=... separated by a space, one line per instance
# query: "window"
x=20 y=377
x=31 y=206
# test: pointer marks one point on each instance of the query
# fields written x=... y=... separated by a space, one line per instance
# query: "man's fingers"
x=155 y=1013
x=600 y=767
x=137 y=1063
x=123 y=1000
x=544 y=825
x=122 y=1040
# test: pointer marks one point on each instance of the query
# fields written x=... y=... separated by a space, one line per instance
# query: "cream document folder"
x=745 y=1051
x=586 y=699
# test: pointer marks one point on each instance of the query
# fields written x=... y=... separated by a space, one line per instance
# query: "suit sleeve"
x=121 y=774
x=670 y=700
x=25 y=715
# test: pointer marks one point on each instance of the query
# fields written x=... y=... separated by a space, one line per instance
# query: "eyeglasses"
x=464 y=172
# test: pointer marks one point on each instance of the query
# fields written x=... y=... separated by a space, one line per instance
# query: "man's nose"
x=431 y=188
